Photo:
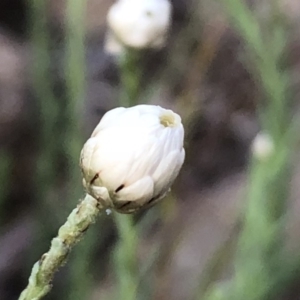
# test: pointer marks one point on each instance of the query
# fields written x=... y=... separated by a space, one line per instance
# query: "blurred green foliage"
x=260 y=253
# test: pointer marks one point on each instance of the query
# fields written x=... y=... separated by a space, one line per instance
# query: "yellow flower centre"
x=168 y=119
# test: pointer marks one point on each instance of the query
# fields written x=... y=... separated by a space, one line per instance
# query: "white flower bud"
x=138 y=24
x=133 y=157
x=262 y=146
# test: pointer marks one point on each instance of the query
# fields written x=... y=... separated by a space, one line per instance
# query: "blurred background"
x=222 y=68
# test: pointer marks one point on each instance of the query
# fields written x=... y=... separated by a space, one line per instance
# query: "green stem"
x=69 y=235
x=42 y=86
x=75 y=85
x=130 y=77
x=48 y=112
x=75 y=70
x=125 y=257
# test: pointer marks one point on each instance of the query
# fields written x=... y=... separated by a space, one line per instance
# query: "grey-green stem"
x=40 y=280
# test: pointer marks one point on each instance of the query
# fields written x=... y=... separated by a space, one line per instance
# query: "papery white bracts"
x=138 y=24
x=133 y=157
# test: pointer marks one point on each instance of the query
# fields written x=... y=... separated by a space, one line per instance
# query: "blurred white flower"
x=262 y=146
x=138 y=24
x=133 y=157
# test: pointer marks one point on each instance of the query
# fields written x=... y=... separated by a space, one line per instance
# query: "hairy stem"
x=69 y=235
